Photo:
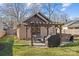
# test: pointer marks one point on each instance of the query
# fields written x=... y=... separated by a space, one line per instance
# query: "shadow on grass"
x=7 y=48
x=72 y=44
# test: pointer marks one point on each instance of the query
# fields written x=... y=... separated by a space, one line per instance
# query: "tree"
x=15 y=10
x=65 y=17
x=50 y=9
x=55 y=16
x=35 y=8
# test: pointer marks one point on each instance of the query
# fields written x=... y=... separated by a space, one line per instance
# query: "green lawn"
x=17 y=47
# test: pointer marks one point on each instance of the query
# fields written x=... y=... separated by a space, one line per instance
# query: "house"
x=37 y=24
x=72 y=28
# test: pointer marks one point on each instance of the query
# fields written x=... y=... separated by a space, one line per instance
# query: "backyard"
x=15 y=47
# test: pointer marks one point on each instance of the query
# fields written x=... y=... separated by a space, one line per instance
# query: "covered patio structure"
x=37 y=26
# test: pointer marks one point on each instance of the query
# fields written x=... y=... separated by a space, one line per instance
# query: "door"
x=35 y=32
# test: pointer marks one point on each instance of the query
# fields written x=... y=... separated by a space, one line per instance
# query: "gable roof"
x=73 y=23
x=44 y=16
x=41 y=16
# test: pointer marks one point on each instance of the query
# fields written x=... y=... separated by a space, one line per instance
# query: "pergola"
x=34 y=21
x=47 y=26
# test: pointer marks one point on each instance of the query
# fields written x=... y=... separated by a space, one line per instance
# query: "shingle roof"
x=74 y=23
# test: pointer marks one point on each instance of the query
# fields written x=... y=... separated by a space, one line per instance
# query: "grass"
x=19 y=42
x=64 y=51
x=72 y=44
x=17 y=47
x=7 y=42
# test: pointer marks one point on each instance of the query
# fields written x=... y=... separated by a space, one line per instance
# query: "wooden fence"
x=2 y=33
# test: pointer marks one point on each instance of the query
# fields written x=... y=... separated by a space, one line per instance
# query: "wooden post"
x=60 y=31
x=26 y=32
x=31 y=37
x=56 y=28
x=47 y=31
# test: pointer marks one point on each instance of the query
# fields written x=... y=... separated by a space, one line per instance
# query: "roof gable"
x=38 y=17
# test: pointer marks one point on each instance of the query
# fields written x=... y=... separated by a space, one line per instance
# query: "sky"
x=71 y=9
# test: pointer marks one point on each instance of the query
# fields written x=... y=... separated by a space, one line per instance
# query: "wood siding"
x=21 y=32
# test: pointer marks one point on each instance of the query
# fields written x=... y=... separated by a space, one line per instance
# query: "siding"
x=71 y=31
x=43 y=32
x=21 y=32
x=74 y=32
x=52 y=30
x=29 y=33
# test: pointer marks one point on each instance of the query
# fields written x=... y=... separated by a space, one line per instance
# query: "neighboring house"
x=37 y=24
x=72 y=28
